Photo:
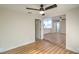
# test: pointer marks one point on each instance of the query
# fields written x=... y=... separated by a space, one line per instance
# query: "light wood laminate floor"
x=39 y=47
x=56 y=38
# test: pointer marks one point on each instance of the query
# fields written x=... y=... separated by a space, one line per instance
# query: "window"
x=58 y=26
x=47 y=23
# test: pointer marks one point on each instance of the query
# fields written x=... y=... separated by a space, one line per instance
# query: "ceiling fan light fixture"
x=41 y=12
x=42 y=9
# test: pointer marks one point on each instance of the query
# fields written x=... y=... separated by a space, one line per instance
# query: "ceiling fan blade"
x=33 y=9
x=50 y=7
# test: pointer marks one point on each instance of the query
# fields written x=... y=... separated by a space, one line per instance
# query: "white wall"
x=16 y=29
x=72 y=30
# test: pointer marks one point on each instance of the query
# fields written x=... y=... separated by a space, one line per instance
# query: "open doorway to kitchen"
x=54 y=30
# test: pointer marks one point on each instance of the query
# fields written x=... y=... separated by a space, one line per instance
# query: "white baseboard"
x=4 y=50
x=71 y=49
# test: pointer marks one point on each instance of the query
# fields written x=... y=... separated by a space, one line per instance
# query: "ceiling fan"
x=42 y=9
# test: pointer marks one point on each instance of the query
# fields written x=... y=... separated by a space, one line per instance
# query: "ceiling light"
x=41 y=12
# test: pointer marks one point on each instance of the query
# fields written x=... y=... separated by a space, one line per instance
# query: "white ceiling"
x=61 y=9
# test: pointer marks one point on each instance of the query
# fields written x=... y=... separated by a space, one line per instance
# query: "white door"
x=37 y=29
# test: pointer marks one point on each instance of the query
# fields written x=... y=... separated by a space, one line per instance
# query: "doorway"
x=56 y=34
x=37 y=29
